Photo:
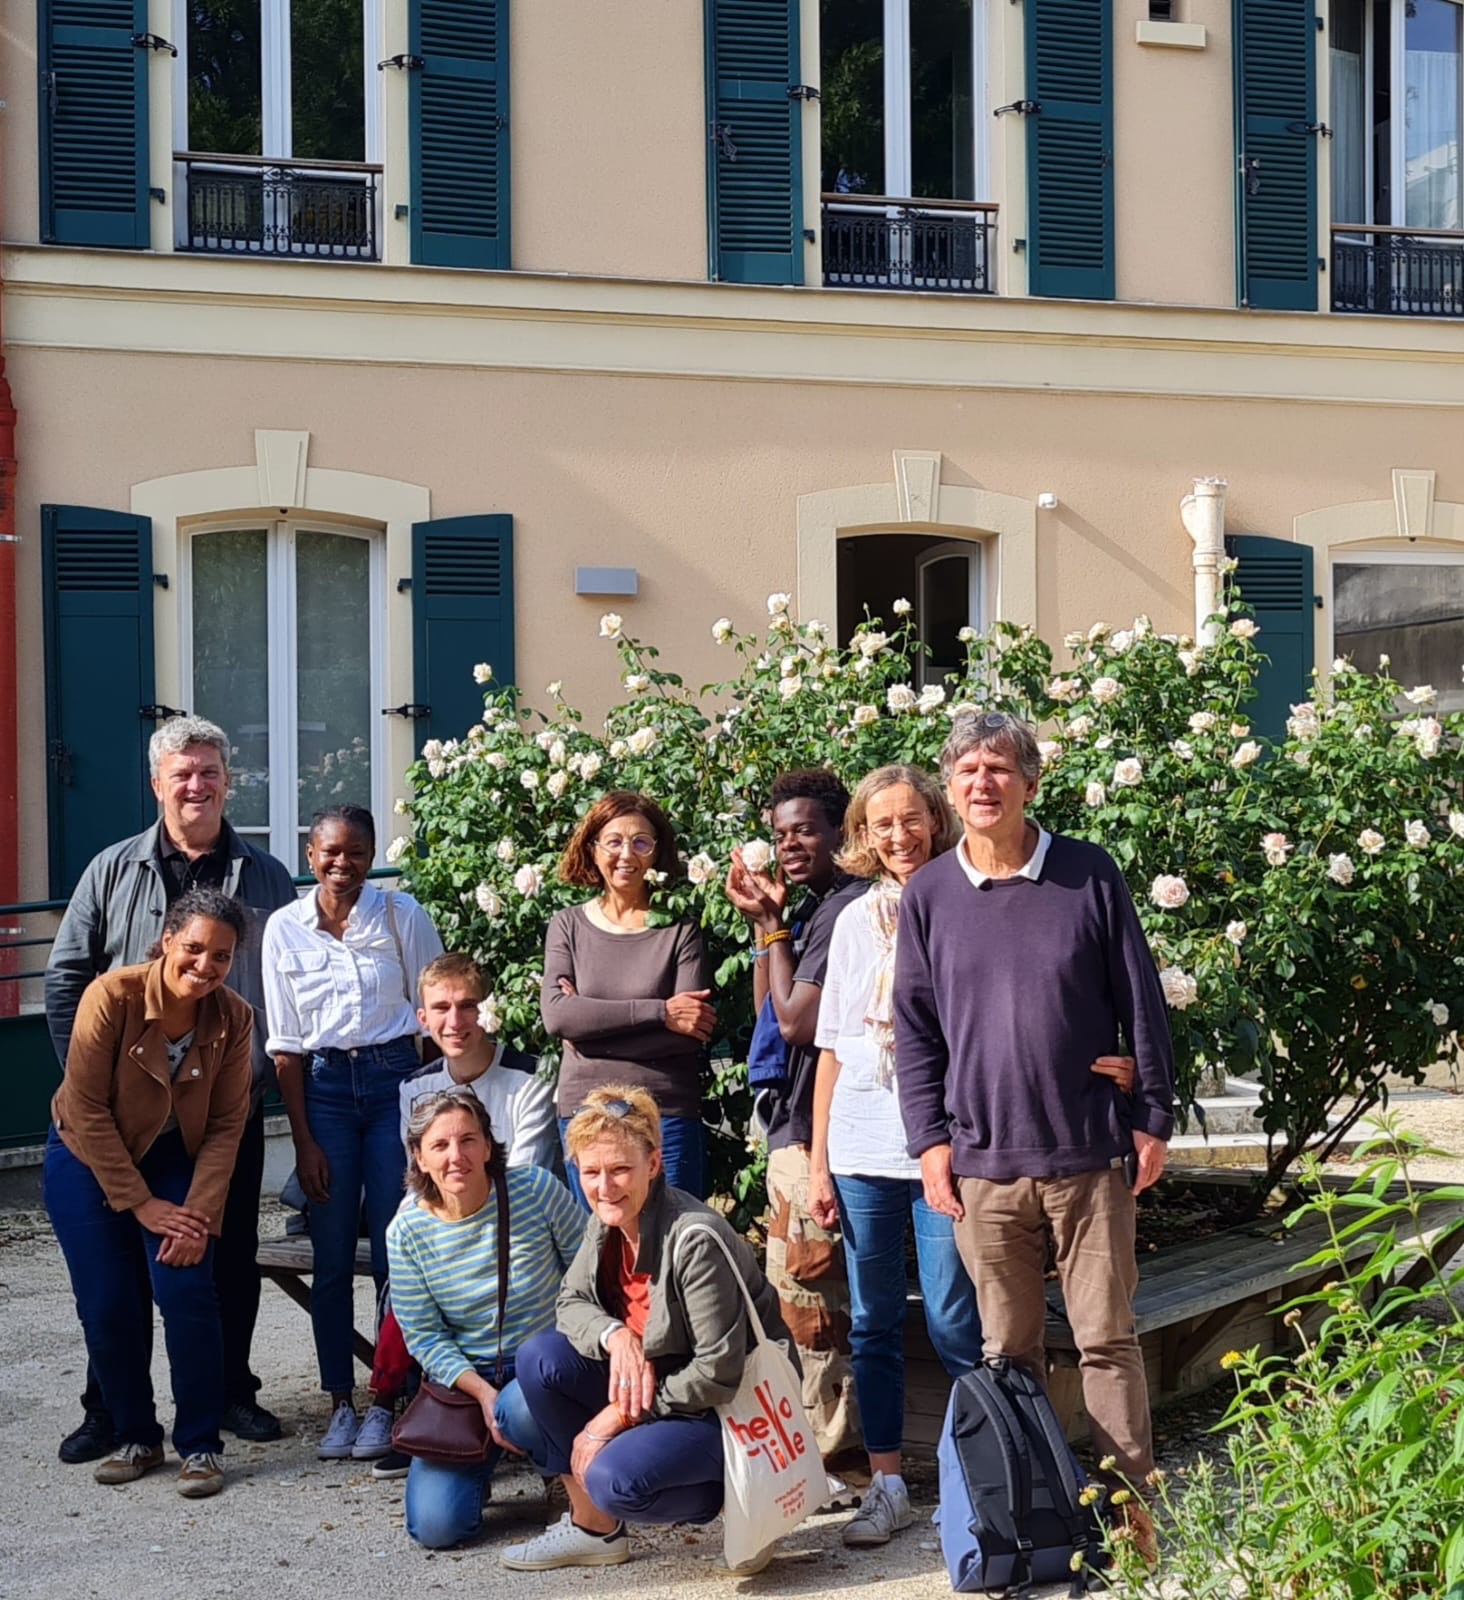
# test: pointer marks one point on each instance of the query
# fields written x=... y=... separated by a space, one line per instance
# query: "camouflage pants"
x=805 y=1265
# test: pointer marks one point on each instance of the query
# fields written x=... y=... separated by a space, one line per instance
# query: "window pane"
x=1431 y=139
x=942 y=143
x=333 y=666
x=1413 y=614
x=852 y=96
x=224 y=106
x=1349 y=144
x=327 y=88
x=231 y=659
x=945 y=608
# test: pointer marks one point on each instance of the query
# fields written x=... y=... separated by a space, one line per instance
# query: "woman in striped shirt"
x=444 y=1258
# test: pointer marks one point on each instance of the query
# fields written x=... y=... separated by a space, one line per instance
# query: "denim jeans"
x=683 y=1154
x=353 y=1106
x=875 y=1213
x=102 y=1247
x=444 y=1505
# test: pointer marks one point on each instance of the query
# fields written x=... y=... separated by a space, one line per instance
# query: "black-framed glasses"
x=641 y=844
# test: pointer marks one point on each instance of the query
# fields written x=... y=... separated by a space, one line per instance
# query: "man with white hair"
x=114 y=916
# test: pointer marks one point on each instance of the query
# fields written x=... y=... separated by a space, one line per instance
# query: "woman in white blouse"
x=340 y=978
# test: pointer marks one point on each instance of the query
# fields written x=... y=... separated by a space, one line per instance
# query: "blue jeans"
x=102 y=1249
x=683 y=1154
x=444 y=1505
x=353 y=1106
x=666 y=1470
x=875 y=1213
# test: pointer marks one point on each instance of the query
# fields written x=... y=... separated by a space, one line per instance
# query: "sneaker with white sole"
x=373 y=1438
x=127 y=1463
x=201 y=1475
x=394 y=1464
x=562 y=1544
x=884 y=1511
x=340 y=1436
x=841 y=1496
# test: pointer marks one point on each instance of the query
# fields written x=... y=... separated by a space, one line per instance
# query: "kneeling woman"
x=145 y=1129
x=464 y=1329
x=652 y=1334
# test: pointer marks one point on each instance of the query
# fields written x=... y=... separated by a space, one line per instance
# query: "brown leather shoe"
x=128 y=1462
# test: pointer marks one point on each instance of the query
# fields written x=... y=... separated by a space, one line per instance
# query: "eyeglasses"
x=885 y=831
x=641 y=844
x=611 y=1108
x=461 y=1095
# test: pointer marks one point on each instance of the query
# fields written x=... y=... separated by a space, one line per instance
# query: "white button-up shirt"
x=324 y=993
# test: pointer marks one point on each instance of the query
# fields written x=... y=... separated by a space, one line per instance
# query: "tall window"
x=1407 y=605
x=285 y=653
x=942 y=579
x=902 y=97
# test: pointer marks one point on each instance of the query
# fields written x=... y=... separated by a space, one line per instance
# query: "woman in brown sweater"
x=145 y=1128
x=630 y=1001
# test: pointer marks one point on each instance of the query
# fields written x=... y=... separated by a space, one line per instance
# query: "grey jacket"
x=698 y=1334
x=116 y=914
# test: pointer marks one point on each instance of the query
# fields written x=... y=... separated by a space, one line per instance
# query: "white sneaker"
x=562 y=1544
x=840 y=1497
x=885 y=1511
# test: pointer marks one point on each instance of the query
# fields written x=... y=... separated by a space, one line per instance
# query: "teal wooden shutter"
x=1070 y=148
x=755 y=141
x=96 y=569
x=458 y=127
x=93 y=106
x=1274 y=577
x=1276 y=154
x=462 y=613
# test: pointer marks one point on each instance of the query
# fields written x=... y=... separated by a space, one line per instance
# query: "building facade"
x=356 y=341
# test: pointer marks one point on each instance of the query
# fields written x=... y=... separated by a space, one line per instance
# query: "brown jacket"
x=117 y=1096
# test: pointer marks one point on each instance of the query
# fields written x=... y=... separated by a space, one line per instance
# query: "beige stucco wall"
x=1174 y=161
x=20 y=179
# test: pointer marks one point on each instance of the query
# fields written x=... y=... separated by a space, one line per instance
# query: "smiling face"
x=197 y=958
x=339 y=856
x=449 y=1013
x=989 y=793
x=901 y=829
x=805 y=841
x=192 y=786
x=625 y=849
x=454 y=1155
x=616 y=1176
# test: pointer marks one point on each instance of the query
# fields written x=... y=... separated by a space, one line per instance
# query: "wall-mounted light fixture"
x=606 y=580
x=1047 y=502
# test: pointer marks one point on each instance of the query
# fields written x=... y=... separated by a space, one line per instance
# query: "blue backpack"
x=1009 y=1512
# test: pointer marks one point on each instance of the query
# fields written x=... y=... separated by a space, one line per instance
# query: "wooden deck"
x=288 y=1261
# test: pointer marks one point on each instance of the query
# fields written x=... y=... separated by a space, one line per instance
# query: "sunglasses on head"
x=611 y=1108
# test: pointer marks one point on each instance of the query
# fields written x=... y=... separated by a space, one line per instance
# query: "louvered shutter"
x=96 y=571
x=1070 y=148
x=458 y=115
x=1276 y=166
x=93 y=113
x=1274 y=577
x=462 y=613
x=755 y=149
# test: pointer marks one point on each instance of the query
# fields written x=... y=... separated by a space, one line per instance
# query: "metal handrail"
x=276 y=161
x=1406 y=233
x=910 y=202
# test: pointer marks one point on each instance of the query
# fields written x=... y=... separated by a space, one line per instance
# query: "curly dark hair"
x=812 y=783
x=213 y=904
x=577 y=864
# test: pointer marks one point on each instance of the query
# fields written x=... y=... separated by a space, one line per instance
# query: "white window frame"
x=284 y=832
x=974 y=550
x=897 y=135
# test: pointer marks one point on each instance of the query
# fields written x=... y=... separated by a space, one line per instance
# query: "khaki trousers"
x=1003 y=1244
x=805 y=1265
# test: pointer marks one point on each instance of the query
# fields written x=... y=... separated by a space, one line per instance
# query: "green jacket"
x=698 y=1334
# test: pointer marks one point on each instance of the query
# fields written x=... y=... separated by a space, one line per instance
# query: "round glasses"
x=640 y=844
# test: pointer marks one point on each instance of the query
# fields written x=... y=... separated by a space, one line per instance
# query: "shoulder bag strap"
x=701 y=1227
x=500 y=1190
x=396 y=939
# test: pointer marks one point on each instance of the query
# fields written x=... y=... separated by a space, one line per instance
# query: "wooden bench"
x=288 y=1261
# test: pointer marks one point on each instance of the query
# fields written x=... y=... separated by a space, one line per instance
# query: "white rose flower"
x=490 y=1018
x=1243 y=628
x=1340 y=664
x=557 y=783
x=788 y=687
x=1417 y=834
x=1302 y=757
x=1427 y=732
x=654 y=877
x=1456 y=824
x=1246 y=754
x=864 y=715
x=1384 y=661
x=489 y=902
x=966 y=635
x=816 y=629
x=1128 y=772
x=1423 y=695
x=1180 y=989
x=398 y=848
x=1104 y=690
x=1080 y=727
x=611 y=624
x=637 y=682
x=1340 y=869
x=1064 y=689
x=505 y=850
x=1183 y=749
x=757 y=855
x=782 y=623
x=641 y=741
x=400 y=807
x=1236 y=932
x=901 y=697
x=1105 y=743
x=902 y=608
x=789 y=666
x=1169 y=892
x=528 y=880
x=1190 y=661
x=553 y=690
x=1049 y=750
x=701 y=868
x=529 y=778
x=432 y=750
x=1096 y=632
x=1143 y=627
x=932 y=697
x=830 y=669
x=1276 y=847
x=544 y=738
x=1371 y=841
x=1239 y=730
x=1439 y=1014
x=1305 y=721
x=778 y=604
x=437 y=767
x=870 y=645
x=1121 y=641
x=1074 y=641
x=508 y=725
x=482 y=672
x=558 y=753
x=722 y=629
x=618 y=749
x=1095 y=794
x=590 y=764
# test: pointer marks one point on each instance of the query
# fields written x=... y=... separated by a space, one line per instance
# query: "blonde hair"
x=614 y=1111
x=858 y=856
x=425 y=1110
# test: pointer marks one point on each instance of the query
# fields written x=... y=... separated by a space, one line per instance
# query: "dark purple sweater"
x=1004 y=997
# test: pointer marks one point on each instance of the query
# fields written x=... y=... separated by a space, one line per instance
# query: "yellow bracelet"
x=769 y=939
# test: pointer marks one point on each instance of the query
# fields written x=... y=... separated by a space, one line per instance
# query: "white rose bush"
x=1303 y=899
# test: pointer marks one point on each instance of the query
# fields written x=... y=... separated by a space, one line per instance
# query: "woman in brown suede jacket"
x=145 y=1129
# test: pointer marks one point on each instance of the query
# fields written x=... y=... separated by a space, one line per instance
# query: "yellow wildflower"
x=1122 y=1497
x=1231 y=1359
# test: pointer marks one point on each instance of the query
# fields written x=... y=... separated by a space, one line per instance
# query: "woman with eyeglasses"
x=628 y=1000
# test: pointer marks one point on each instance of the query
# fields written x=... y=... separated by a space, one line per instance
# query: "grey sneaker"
x=128 y=1462
x=563 y=1545
x=340 y=1436
x=884 y=1511
x=373 y=1438
x=201 y=1475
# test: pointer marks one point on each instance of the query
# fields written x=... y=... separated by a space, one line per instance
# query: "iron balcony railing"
x=250 y=205
x=1398 y=272
x=927 y=246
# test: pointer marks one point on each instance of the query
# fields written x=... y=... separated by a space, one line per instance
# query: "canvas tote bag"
x=772 y=1474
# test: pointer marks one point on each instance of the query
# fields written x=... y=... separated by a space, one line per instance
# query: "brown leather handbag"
x=446 y=1426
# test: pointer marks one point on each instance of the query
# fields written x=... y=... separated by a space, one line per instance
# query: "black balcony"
x=929 y=247
x=245 y=205
x=1397 y=272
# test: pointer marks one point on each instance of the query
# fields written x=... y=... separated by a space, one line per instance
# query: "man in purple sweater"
x=1020 y=958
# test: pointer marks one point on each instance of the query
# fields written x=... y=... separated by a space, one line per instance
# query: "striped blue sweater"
x=444 y=1275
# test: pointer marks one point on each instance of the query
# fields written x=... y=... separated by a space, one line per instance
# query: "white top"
x=520 y=1105
x=866 y=1132
x=322 y=993
x=1030 y=868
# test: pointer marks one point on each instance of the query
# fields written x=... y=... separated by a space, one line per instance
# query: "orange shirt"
x=626 y=1292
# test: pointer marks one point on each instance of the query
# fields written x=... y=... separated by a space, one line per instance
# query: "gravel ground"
x=288 y=1525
